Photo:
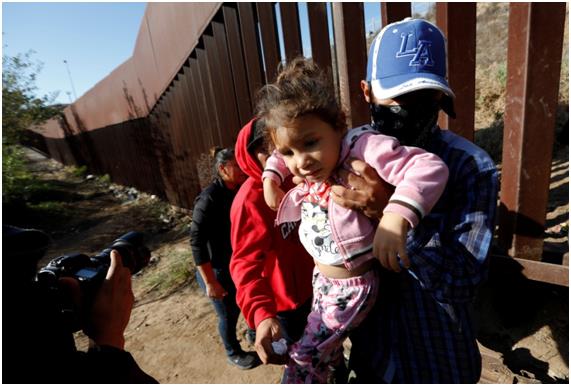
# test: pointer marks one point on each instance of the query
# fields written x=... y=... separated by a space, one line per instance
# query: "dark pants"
x=227 y=311
x=293 y=322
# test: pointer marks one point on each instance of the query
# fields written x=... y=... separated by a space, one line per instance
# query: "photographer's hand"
x=111 y=310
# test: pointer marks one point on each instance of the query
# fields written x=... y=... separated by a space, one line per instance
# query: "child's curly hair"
x=301 y=88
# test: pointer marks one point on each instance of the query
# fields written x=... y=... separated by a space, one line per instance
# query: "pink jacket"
x=419 y=178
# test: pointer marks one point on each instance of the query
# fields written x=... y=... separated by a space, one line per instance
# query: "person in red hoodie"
x=271 y=269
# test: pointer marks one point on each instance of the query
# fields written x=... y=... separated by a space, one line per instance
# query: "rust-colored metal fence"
x=191 y=81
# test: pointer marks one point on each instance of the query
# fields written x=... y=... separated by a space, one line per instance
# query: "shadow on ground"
x=527 y=322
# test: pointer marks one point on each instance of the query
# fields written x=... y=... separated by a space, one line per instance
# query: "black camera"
x=91 y=271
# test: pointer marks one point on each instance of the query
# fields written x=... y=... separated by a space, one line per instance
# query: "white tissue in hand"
x=280 y=347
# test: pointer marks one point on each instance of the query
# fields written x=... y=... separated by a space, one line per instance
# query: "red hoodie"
x=271 y=269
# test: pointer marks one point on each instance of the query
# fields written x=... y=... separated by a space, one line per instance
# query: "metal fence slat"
x=392 y=11
x=250 y=49
x=534 y=64
x=349 y=27
x=319 y=33
x=268 y=29
x=290 y=28
x=243 y=99
x=458 y=23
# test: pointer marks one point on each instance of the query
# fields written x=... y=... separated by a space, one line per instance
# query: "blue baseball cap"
x=407 y=56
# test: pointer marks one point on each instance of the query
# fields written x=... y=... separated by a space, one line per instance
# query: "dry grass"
x=491 y=76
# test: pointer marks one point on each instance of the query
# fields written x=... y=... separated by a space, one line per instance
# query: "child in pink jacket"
x=307 y=128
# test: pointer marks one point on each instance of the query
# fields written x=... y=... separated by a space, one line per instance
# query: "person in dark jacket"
x=38 y=343
x=211 y=249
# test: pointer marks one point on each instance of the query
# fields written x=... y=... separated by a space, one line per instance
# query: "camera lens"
x=133 y=251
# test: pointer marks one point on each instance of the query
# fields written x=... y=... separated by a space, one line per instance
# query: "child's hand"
x=390 y=242
x=272 y=193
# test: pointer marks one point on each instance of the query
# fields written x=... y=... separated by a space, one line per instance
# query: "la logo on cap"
x=421 y=54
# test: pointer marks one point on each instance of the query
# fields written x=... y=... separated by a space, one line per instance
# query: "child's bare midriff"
x=340 y=272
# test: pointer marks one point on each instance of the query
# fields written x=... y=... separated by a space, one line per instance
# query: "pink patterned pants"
x=339 y=305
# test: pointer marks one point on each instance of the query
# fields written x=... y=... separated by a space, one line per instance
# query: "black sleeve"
x=100 y=365
x=200 y=229
x=111 y=365
x=39 y=348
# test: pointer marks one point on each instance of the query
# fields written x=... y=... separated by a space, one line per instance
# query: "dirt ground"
x=523 y=326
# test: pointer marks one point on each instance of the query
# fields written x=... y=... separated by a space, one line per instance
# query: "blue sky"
x=94 y=38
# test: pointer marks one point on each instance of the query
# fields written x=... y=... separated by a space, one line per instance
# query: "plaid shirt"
x=421 y=329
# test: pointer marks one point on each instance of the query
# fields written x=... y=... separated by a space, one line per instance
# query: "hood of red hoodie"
x=245 y=160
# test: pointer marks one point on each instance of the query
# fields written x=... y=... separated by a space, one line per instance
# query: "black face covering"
x=411 y=125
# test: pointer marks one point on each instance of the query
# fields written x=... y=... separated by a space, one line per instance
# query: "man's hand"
x=112 y=306
x=368 y=194
x=268 y=331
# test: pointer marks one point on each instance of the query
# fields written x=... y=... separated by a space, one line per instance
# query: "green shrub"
x=15 y=175
x=105 y=179
x=79 y=171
